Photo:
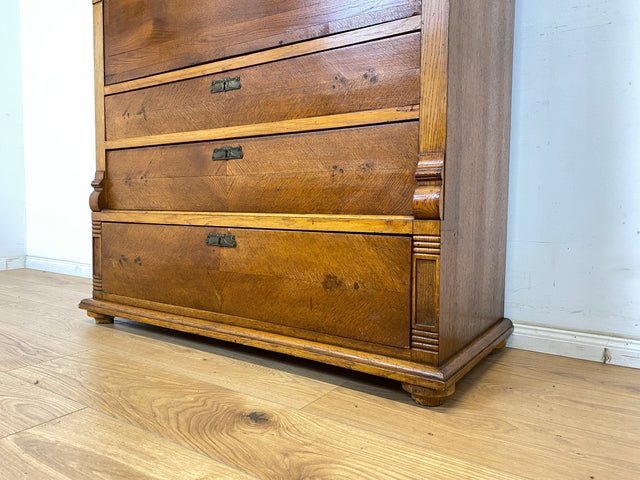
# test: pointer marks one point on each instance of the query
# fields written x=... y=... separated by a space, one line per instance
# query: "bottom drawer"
x=349 y=285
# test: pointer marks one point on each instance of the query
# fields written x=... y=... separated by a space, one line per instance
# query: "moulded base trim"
x=586 y=346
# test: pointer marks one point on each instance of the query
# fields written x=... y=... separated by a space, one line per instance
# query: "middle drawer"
x=370 y=76
x=358 y=171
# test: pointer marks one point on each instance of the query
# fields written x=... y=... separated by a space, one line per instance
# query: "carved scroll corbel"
x=427 y=201
x=96 y=198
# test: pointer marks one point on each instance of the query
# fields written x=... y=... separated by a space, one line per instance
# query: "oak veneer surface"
x=374 y=75
x=366 y=170
x=299 y=279
x=142 y=402
x=474 y=227
x=146 y=36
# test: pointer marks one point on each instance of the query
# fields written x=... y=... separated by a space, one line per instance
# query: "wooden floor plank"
x=292 y=382
x=260 y=437
x=284 y=380
x=65 y=323
x=24 y=405
x=24 y=276
x=595 y=411
x=572 y=371
x=89 y=445
x=482 y=421
x=214 y=362
x=51 y=294
x=20 y=347
x=516 y=415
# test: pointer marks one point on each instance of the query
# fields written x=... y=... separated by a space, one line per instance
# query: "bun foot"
x=498 y=347
x=100 y=318
x=428 y=397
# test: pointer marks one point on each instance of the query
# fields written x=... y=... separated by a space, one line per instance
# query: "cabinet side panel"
x=476 y=170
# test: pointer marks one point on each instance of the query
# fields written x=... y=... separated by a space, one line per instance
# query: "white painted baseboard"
x=59 y=266
x=586 y=346
x=11 y=263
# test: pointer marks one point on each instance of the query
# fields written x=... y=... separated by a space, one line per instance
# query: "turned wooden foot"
x=428 y=397
x=499 y=347
x=100 y=318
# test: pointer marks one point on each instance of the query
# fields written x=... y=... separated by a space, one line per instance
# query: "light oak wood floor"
x=128 y=401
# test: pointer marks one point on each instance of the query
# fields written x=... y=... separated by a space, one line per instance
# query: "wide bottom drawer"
x=348 y=285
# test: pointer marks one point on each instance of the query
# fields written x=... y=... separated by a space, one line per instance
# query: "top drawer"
x=145 y=37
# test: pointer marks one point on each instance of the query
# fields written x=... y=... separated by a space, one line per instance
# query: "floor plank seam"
x=43 y=362
x=58 y=418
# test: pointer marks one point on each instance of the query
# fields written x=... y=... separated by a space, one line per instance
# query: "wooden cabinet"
x=326 y=179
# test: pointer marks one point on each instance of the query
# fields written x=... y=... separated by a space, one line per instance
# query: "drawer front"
x=366 y=171
x=145 y=37
x=348 y=285
x=380 y=74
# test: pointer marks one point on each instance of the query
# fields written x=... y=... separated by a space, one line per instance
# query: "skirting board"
x=12 y=263
x=586 y=346
x=59 y=266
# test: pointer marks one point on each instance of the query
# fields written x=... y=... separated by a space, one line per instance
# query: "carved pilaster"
x=425 y=314
x=97 y=258
x=427 y=204
x=96 y=198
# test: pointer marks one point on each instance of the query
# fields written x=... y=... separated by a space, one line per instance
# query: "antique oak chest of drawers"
x=323 y=178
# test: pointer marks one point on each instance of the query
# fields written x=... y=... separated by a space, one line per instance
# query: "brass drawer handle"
x=225 y=84
x=221 y=240
x=227 y=153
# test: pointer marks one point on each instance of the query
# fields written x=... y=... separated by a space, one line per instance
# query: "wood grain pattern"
x=434 y=67
x=246 y=433
x=396 y=224
x=478 y=429
x=61 y=323
x=24 y=405
x=293 y=384
x=61 y=330
x=476 y=170
x=149 y=37
x=374 y=75
x=89 y=444
x=558 y=418
x=98 y=59
x=30 y=348
x=330 y=42
x=340 y=120
x=296 y=279
x=592 y=376
x=365 y=170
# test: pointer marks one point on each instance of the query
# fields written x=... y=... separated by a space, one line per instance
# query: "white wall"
x=573 y=260
x=574 y=207
x=12 y=198
x=59 y=139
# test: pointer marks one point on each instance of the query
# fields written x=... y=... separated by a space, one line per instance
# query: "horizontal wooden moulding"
x=375 y=32
x=440 y=378
x=394 y=225
x=341 y=120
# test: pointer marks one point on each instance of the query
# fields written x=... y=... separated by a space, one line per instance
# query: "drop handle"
x=227 y=153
